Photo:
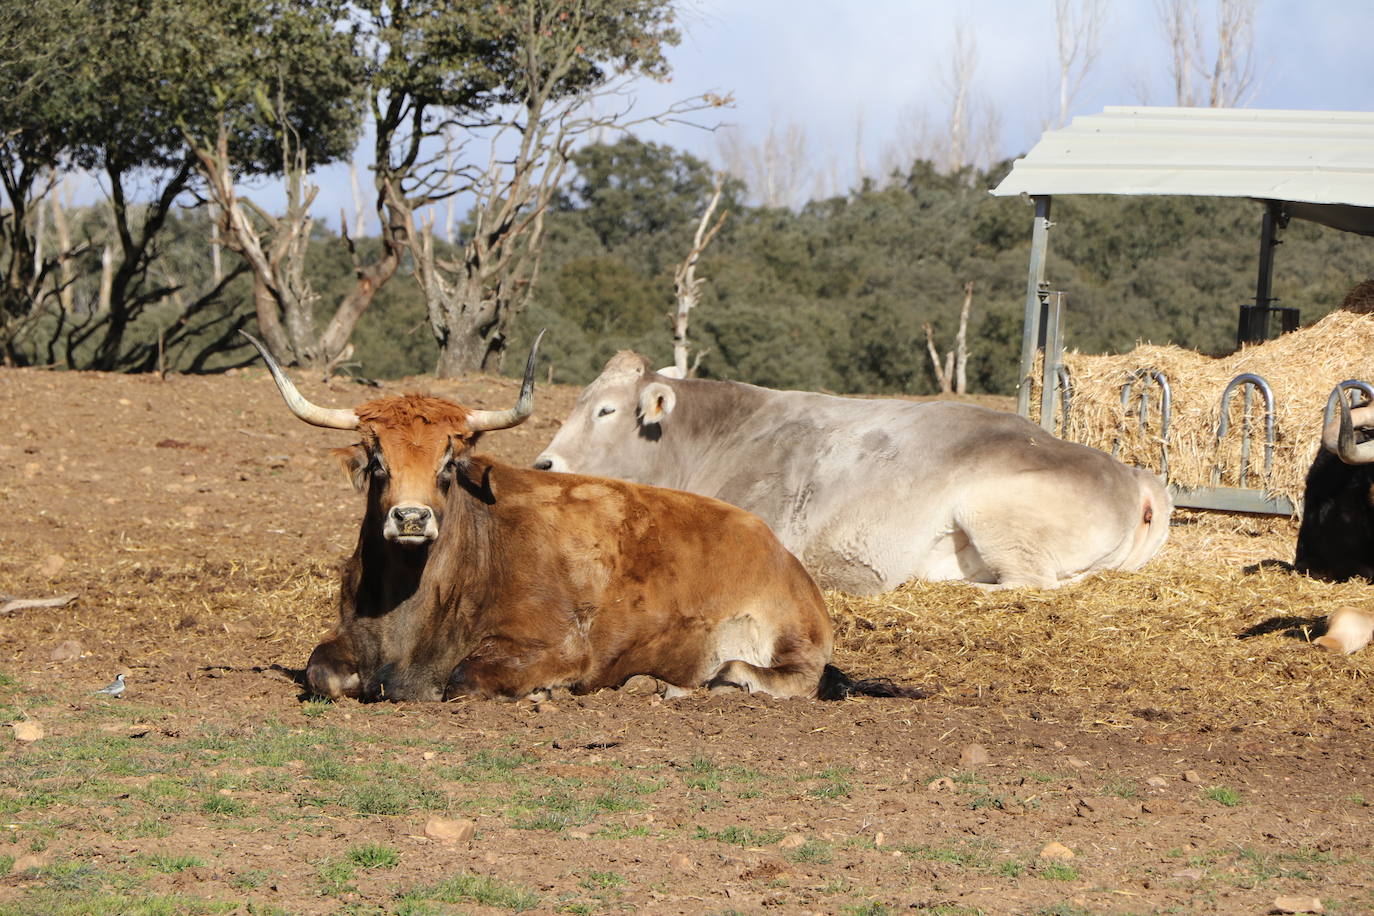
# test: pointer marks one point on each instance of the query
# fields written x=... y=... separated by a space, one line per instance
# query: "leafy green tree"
x=122 y=85
x=284 y=80
x=516 y=79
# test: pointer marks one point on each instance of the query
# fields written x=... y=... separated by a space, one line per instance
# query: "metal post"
x=1254 y=319
x=1053 y=346
x=1035 y=283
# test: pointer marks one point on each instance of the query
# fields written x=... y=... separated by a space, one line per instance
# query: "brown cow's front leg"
x=333 y=670
x=502 y=668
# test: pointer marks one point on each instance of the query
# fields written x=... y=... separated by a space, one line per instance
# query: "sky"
x=854 y=74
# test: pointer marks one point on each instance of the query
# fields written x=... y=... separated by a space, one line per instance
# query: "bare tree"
x=553 y=99
x=951 y=373
x=967 y=135
x=275 y=249
x=1078 y=40
x=687 y=287
x=776 y=169
x=1217 y=71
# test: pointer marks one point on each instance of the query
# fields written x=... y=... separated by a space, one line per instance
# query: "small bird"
x=113 y=689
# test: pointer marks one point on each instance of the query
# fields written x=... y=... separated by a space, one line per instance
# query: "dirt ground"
x=1163 y=741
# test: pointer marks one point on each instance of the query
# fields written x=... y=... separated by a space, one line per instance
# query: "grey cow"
x=872 y=493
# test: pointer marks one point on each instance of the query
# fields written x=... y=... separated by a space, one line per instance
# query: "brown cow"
x=472 y=577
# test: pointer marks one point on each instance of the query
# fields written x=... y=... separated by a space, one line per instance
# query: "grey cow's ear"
x=656 y=401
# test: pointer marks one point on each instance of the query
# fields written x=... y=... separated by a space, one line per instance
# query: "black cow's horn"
x=480 y=421
x=314 y=414
x=1339 y=435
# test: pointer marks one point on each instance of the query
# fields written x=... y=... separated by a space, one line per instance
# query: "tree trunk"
x=961 y=342
x=475 y=341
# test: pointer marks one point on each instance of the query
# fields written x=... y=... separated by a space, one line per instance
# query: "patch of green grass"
x=6 y=863
x=835 y=783
x=50 y=903
x=391 y=798
x=1121 y=788
x=1223 y=795
x=225 y=806
x=551 y=821
x=740 y=836
x=1262 y=867
x=622 y=832
x=1010 y=868
x=986 y=800
x=703 y=774
x=489 y=766
x=812 y=851
x=466 y=887
x=1057 y=871
x=559 y=810
x=161 y=794
x=374 y=855
x=315 y=707
x=252 y=878
x=612 y=802
x=1063 y=909
x=976 y=854
x=325 y=769
x=73 y=876
x=868 y=909
x=336 y=877
x=602 y=881
x=152 y=827
x=1358 y=800
x=168 y=863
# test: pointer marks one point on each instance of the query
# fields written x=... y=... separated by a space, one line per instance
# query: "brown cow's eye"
x=375 y=468
x=605 y=411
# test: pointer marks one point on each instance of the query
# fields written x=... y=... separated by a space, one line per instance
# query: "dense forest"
x=833 y=296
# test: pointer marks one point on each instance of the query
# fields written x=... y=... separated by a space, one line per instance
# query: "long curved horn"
x=480 y=421
x=1339 y=435
x=314 y=414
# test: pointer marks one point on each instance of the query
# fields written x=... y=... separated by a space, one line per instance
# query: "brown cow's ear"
x=474 y=476
x=353 y=459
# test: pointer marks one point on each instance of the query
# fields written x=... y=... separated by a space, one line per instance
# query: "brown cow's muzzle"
x=410 y=526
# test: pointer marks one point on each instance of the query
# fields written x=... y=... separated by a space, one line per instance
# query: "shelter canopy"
x=1318 y=164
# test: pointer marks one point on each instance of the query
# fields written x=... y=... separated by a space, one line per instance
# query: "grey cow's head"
x=614 y=427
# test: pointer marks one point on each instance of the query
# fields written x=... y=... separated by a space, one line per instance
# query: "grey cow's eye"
x=605 y=411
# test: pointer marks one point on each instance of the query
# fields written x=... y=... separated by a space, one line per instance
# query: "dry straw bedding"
x=1199 y=639
x=1301 y=368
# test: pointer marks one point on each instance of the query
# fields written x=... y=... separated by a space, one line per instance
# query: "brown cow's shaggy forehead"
x=413 y=424
x=408 y=410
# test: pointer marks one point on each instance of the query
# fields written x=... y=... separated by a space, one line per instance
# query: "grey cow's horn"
x=314 y=414
x=480 y=421
x=1339 y=435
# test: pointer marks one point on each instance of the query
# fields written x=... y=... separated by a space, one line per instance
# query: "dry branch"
x=685 y=282
x=9 y=604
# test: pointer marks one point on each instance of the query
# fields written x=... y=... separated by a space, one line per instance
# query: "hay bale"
x=1301 y=368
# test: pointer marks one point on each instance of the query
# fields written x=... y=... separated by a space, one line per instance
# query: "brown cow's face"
x=405 y=463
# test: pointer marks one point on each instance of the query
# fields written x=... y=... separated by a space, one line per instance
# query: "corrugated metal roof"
x=1321 y=161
